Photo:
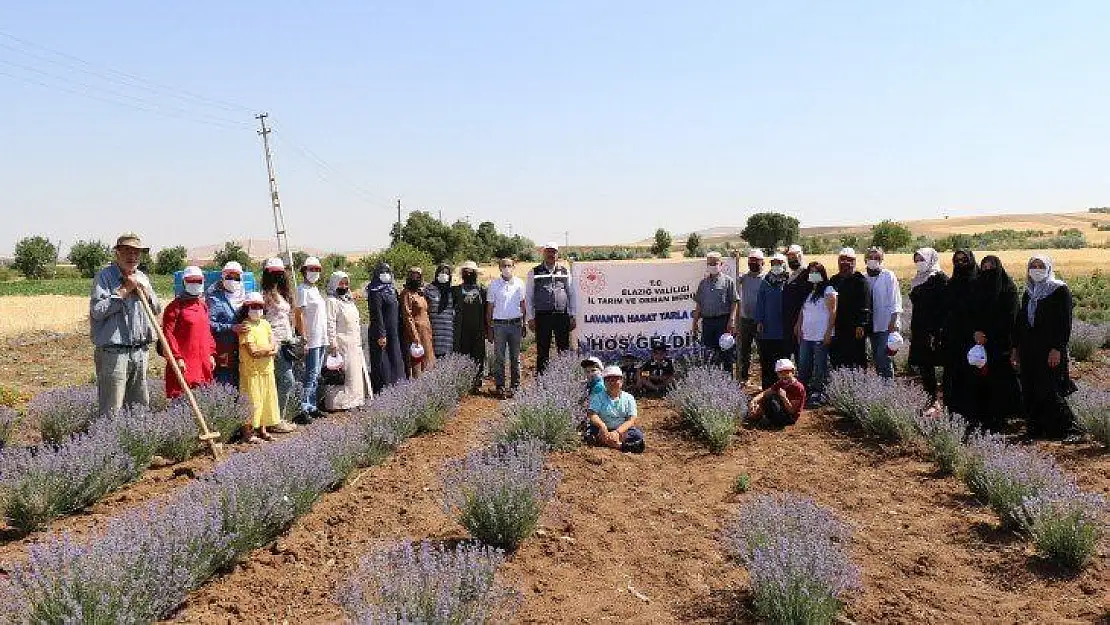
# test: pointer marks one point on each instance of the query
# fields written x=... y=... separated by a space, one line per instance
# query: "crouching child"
x=657 y=374
x=612 y=416
x=781 y=403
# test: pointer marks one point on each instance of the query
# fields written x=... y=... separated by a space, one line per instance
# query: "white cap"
x=794 y=249
x=726 y=342
x=592 y=361
x=977 y=356
x=716 y=255
x=232 y=266
x=551 y=245
x=311 y=261
x=612 y=371
x=192 y=271
x=847 y=252
x=783 y=364
x=471 y=265
x=894 y=342
x=254 y=297
x=274 y=264
x=416 y=350
x=778 y=258
x=756 y=253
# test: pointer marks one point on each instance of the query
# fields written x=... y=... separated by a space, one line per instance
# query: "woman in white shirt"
x=814 y=332
x=279 y=312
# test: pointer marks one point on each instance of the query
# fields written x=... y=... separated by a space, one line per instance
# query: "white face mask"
x=386 y=278
x=507 y=273
x=443 y=278
x=255 y=314
x=312 y=276
x=815 y=277
x=922 y=266
x=874 y=265
x=1038 y=275
x=233 y=286
x=714 y=269
x=777 y=269
x=194 y=288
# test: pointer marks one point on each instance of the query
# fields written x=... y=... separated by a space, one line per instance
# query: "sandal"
x=254 y=440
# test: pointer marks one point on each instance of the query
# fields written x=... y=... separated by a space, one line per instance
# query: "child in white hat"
x=779 y=405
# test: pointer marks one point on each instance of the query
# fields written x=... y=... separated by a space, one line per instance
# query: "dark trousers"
x=776 y=413
x=771 y=350
x=473 y=344
x=1047 y=413
x=744 y=344
x=711 y=330
x=929 y=381
x=848 y=351
x=550 y=324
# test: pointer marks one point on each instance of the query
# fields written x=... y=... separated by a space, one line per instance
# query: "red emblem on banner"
x=593 y=281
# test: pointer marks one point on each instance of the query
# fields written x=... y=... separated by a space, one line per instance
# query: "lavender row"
x=796 y=554
x=882 y=407
x=142 y=566
x=551 y=409
x=711 y=403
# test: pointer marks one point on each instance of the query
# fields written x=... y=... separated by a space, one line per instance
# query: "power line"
x=336 y=177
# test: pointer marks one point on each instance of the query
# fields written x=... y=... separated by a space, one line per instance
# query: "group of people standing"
x=973 y=325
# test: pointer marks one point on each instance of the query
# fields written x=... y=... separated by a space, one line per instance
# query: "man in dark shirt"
x=470 y=319
x=630 y=365
x=657 y=374
x=853 y=314
x=782 y=402
x=794 y=295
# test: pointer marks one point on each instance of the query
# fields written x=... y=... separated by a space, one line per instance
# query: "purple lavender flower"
x=224 y=408
x=1085 y=340
x=711 y=403
x=548 y=412
x=63 y=411
x=1065 y=524
x=498 y=493
x=1004 y=476
x=1092 y=412
x=403 y=582
x=885 y=408
x=9 y=419
x=944 y=435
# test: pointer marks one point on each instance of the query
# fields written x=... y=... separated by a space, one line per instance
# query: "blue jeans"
x=313 y=360
x=884 y=366
x=813 y=366
x=506 y=335
x=283 y=373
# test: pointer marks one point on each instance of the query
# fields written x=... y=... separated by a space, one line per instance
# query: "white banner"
x=623 y=305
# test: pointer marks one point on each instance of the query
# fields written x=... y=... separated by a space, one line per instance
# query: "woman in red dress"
x=185 y=323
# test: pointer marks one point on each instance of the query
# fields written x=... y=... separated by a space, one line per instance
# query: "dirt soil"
x=632 y=539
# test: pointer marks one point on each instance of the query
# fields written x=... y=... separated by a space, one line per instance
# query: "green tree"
x=35 y=257
x=400 y=257
x=89 y=257
x=299 y=256
x=770 y=230
x=426 y=233
x=233 y=251
x=954 y=242
x=890 y=235
x=170 y=259
x=849 y=240
x=334 y=262
x=662 y=245
x=693 y=245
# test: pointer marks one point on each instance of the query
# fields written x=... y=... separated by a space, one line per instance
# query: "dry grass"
x=53 y=313
x=1070 y=263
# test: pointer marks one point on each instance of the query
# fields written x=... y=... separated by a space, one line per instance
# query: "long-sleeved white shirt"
x=886 y=300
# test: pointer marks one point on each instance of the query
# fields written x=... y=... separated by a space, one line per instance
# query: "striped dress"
x=443 y=323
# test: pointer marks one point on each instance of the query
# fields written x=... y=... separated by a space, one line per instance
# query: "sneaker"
x=254 y=440
x=283 y=427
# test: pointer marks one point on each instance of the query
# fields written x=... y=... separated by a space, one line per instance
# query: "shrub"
x=89 y=257
x=176 y=433
x=437 y=396
x=498 y=493
x=402 y=582
x=795 y=552
x=711 y=403
x=1085 y=340
x=1065 y=524
x=35 y=257
x=61 y=412
x=1009 y=475
x=743 y=483
x=550 y=410
x=944 y=435
x=224 y=408
x=885 y=408
x=1092 y=412
x=170 y=259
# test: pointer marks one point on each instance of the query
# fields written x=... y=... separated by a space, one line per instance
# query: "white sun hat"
x=274 y=264
x=783 y=364
x=612 y=371
x=894 y=342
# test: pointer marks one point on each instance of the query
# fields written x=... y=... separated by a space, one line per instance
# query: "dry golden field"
x=20 y=314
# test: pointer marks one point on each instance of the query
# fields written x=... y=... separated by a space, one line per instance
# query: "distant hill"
x=1087 y=222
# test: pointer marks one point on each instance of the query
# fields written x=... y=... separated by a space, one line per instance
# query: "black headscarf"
x=444 y=289
x=962 y=277
x=991 y=284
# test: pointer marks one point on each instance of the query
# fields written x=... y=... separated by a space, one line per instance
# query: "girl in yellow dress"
x=256 y=369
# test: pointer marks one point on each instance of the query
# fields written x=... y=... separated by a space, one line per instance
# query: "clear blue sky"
x=607 y=119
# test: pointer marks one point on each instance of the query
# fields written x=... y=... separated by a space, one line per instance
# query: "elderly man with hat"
x=715 y=305
x=470 y=319
x=750 y=283
x=853 y=313
x=120 y=331
x=551 y=305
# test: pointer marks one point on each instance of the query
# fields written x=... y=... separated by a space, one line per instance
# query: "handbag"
x=289 y=351
x=332 y=371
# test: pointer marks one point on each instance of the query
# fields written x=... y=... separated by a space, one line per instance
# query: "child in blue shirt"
x=612 y=416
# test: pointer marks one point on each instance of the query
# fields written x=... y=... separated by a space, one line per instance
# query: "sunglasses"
x=234 y=277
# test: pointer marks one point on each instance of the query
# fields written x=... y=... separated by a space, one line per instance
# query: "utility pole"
x=397 y=238
x=566 y=239
x=275 y=199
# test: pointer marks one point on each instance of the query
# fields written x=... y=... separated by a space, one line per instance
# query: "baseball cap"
x=274 y=264
x=470 y=265
x=130 y=239
x=311 y=263
x=783 y=364
x=232 y=266
x=592 y=361
x=551 y=245
x=192 y=271
x=756 y=253
x=847 y=252
x=612 y=371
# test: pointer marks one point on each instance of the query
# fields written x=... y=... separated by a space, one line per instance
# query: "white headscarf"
x=1040 y=290
x=933 y=259
x=333 y=284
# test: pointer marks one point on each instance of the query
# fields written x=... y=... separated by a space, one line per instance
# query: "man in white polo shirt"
x=505 y=313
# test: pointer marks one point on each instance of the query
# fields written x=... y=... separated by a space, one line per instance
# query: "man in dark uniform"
x=551 y=305
x=470 y=319
x=853 y=314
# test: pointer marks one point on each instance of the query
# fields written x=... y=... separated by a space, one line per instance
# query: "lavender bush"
x=795 y=553
x=1065 y=524
x=63 y=411
x=1007 y=475
x=498 y=493
x=944 y=436
x=711 y=403
x=885 y=408
x=223 y=407
x=156 y=391
x=1085 y=340
x=402 y=582
x=9 y=419
x=1092 y=412
x=177 y=433
x=551 y=410
x=457 y=371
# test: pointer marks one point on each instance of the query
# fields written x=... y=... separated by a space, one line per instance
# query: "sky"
x=593 y=122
